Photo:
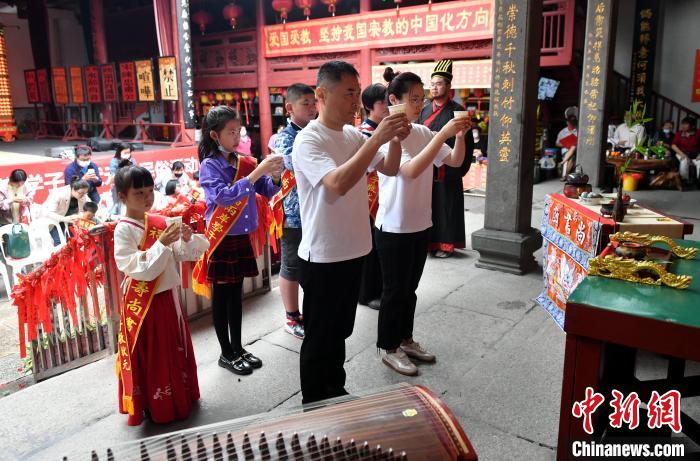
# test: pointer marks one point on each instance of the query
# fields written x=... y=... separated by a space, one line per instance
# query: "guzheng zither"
x=399 y=423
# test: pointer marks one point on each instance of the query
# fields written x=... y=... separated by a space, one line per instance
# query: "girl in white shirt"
x=155 y=364
x=404 y=218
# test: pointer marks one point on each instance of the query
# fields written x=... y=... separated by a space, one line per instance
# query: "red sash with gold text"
x=137 y=300
x=289 y=182
x=221 y=222
x=373 y=193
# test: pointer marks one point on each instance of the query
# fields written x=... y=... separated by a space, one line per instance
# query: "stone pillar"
x=507 y=241
x=263 y=86
x=597 y=65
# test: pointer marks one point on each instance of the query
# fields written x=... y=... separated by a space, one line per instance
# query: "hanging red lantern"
x=202 y=19
x=231 y=12
x=331 y=5
x=282 y=7
x=306 y=5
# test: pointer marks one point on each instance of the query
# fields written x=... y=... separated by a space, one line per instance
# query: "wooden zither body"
x=401 y=423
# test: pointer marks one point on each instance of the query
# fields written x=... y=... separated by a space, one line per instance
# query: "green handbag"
x=18 y=243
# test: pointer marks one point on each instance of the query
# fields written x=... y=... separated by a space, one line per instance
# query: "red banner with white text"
x=456 y=21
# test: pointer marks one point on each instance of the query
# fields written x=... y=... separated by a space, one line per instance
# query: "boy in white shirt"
x=331 y=159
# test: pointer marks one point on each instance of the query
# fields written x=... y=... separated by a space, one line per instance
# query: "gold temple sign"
x=649 y=240
x=167 y=72
x=144 y=80
x=646 y=272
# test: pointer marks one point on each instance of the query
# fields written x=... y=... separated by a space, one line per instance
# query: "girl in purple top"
x=233 y=259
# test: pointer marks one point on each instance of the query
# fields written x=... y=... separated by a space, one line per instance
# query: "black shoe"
x=252 y=360
x=374 y=304
x=237 y=365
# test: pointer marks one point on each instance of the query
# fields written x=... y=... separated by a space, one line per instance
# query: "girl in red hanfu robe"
x=155 y=363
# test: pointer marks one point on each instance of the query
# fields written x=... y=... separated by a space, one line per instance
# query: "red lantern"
x=331 y=5
x=202 y=19
x=231 y=12
x=282 y=7
x=306 y=5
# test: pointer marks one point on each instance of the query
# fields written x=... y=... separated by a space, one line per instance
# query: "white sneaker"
x=414 y=350
x=400 y=363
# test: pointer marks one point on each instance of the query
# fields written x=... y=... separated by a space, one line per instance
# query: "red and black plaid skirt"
x=232 y=261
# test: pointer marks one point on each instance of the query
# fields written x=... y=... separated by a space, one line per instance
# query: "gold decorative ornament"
x=648 y=240
x=613 y=267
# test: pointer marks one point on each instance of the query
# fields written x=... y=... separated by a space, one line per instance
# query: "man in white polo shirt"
x=331 y=159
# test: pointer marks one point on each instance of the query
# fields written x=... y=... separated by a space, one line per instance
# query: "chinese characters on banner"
x=109 y=82
x=505 y=72
x=453 y=21
x=144 y=80
x=185 y=48
x=92 y=83
x=60 y=85
x=30 y=82
x=167 y=71
x=696 y=78
x=645 y=30
x=42 y=78
x=662 y=410
x=127 y=74
x=76 y=85
x=570 y=238
x=593 y=91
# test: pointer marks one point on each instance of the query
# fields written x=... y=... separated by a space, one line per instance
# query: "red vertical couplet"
x=76 y=85
x=127 y=74
x=30 y=82
x=60 y=85
x=696 y=78
x=109 y=82
x=92 y=82
x=42 y=77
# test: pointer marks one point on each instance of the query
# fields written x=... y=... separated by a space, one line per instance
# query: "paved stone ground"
x=499 y=366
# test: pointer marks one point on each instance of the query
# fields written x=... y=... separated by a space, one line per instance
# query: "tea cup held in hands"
x=397 y=109
x=459 y=114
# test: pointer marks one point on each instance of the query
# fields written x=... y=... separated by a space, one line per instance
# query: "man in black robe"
x=447 y=233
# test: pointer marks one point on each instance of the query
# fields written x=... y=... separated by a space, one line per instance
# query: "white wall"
x=66 y=41
x=679 y=38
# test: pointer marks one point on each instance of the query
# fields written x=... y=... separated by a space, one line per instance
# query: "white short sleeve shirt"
x=336 y=228
x=405 y=204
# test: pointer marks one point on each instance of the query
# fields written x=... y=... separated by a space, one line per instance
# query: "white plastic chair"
x=17 y=265
x=40 y=239
x=6 y=280
x=45 y=224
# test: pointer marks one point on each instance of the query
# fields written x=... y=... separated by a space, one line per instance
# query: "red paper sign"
x=443 y=22
x=109 y=82
x=92 y=83
x=32 y=86
x=565 y=275
x=76 y=85
x=127 y=73
x=574 y=225
x=696 y=78
x=42 y=77
x=60 y=85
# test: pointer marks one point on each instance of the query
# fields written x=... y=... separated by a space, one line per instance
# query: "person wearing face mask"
x=686 y=146
x=84 y=168
x=566 y=140
x=122 y=153
x=665 y=135
x=177 y=172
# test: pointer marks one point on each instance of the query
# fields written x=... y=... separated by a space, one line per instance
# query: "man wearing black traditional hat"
x=447 y=233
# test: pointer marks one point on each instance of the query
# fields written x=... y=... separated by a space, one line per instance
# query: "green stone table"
x=605 y=320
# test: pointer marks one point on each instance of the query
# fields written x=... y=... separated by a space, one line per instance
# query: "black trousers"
x=330 y=300
x=371 y=281
x=402 y=257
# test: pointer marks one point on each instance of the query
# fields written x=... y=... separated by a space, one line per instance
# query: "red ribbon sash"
x=137 y=300
x=221 y=222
